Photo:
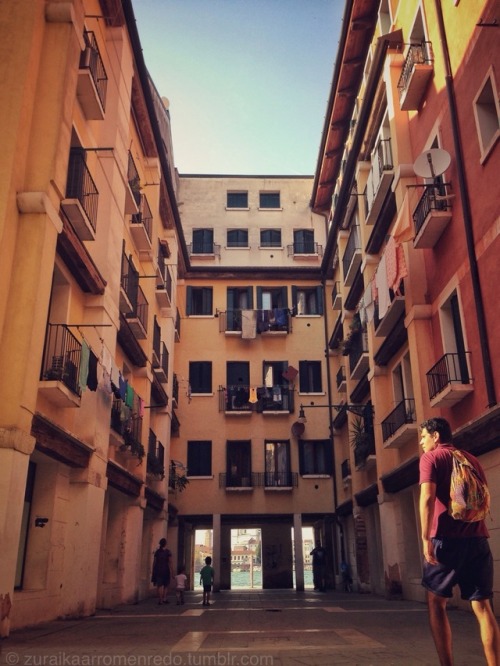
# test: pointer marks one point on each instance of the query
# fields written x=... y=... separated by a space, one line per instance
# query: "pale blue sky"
x=248 y=80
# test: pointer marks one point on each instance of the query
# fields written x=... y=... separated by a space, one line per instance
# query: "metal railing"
x=353 y=246
x=241 y=398
x=140 y=309
x=336 y=294
x=204 y=248
x=404 y=412
x=305 y=247
x=249 y=480
x=81 y=186
x=276 y=320
x=381 y=161
x=359 y=346
x=144 y=216
x=345 y=468
x=341 y=377
x=430 y=201
x=452 y=368
x=133 y=179
x=418 y=54
x=61 y=357
x=277 y=479
x=175 y=389
x=128 y=425
x=91 y=60
x=156 y=456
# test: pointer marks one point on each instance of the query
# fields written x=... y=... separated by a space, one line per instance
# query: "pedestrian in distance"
x=318 y=555
x=162 y=571
x=180 y=585
x=207 y=579
x=455 y=552
x=346 y=576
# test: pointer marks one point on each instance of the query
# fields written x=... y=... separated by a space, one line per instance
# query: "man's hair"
x=208 y=560
x=163 y=542
x=439 y=425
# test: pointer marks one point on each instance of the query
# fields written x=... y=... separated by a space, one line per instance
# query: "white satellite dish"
x=432 y=163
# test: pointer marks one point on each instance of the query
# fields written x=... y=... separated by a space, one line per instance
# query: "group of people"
x=162 y=576
x=456 y=552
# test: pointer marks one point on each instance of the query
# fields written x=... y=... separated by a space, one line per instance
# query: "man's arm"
x=426 y=506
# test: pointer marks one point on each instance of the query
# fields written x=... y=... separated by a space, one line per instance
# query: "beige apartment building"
x=252 y=350
x=406 y=177
x=88 y=262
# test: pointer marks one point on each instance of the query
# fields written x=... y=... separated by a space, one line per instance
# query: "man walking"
x=455 y=552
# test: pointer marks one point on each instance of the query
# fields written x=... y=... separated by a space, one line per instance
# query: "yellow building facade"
x=87 y=311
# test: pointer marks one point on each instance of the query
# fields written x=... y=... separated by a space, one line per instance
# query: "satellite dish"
x=432 y=163
x=298 y=429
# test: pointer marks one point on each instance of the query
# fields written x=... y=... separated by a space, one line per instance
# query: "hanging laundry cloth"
x=248 y=324
x=402 y=268
x=280 y=316
x=391 y=262
x=290 y=373
x=268 y=380
x=122 y=387
x=368 y=302
x=384 y=299
x=129 y=396
x=252 y=398
x=92 y=374
x=115 y=374
x=276 y=393
x=84 y=366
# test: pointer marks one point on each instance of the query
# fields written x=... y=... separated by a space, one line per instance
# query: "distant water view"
x=242 y=580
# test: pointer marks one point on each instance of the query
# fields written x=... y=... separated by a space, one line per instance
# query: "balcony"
x=351 y=261
x=128 y=285
x=379 y=180
x=159 y=397
x=304 y=249
x=92 y=80
x=417 y=71
x=164 y=281
x=60 y=367
x=364 y=453
x=277 y=480
x=175 y=391
x=141 y=224
x=238 y=482
x=160 y=363
x=400 y=426
x=204 y=249
x=449 y=380
x=177 y=326
x=242 y=400
x=336 y=297
x=359 y=362
x=80 y=202
x=249 y=323
x=133 y=188
x=431 y=216
x=138 y=318
x=396 y=309
x=155 y=457
x=341 y=380
x=346 y=471
x=126 y=429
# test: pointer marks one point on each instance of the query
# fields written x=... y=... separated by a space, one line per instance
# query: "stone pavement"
x=246 y=628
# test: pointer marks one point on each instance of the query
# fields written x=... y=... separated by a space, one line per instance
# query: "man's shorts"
x=467 y=563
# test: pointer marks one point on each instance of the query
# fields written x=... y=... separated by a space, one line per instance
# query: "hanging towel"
x=115 y=374
x=122 y=387
x=268 y=380
x=92 y=374
x=402 y=268
x=129 y=396
x=384 y=299
x=391 y=262
x=84 y=366
x=248 y=324
x=253 y=396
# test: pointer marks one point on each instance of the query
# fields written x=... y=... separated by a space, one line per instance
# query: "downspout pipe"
x=465 y=201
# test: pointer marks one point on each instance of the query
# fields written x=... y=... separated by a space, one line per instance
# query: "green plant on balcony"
x=361 y=440
x=155 y=466
x=355 y=327
x=176 y=481
x=133 y=445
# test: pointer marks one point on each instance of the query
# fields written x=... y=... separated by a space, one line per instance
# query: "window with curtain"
x=315 y=456
x=307 y=300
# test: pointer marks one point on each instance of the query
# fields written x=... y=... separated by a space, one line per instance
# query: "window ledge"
x=312 y=393
x=207 y=316
x=233 y=247
x=316 y=476
x=271 y=247
x=238 y=208
x=202 y=395
x=201 y=478
x=304 y=315
x=271 y=209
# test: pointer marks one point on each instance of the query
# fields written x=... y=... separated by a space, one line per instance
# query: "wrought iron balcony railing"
x=91 y=60
x=305 y=247
x=261 y=399
x=403 y=413
x=452 y=368
x=144 y=216
x=61 y=357
x=418 y=54
x=431 y=200
x=264 y=321
x=81 y=186
x=204 y=248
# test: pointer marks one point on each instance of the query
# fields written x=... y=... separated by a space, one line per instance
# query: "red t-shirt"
x=436 y=466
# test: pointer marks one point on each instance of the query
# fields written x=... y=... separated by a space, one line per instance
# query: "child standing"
x=180 y=585
x=207 y=578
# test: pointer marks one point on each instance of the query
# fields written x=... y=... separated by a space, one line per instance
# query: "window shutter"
x=294 y=296
x=259 y=298
x=250 y=297
x=319 y=300
x=284 y=297
x=189 y=306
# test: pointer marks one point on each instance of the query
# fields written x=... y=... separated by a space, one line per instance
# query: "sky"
x=248 y=81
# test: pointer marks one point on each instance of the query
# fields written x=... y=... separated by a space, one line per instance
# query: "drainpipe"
x=464 y=198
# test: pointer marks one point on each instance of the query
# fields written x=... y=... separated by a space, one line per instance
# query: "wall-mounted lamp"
x=41 y=522
x=217 y=311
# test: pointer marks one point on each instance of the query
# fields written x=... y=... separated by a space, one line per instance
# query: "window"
x=303 y=241
x=238 y=463
x=310 y=377
x=269 y=200
x=307 y=300
x=269 y=298
x=237 y=238
x=315 y=456
x=237 y=200
x=199 y=458
x=487 y=115
x=199 y=301
x=203 y=241
x=278 y=463
x=238 y=299
x=270 y=238
x=200 y=376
